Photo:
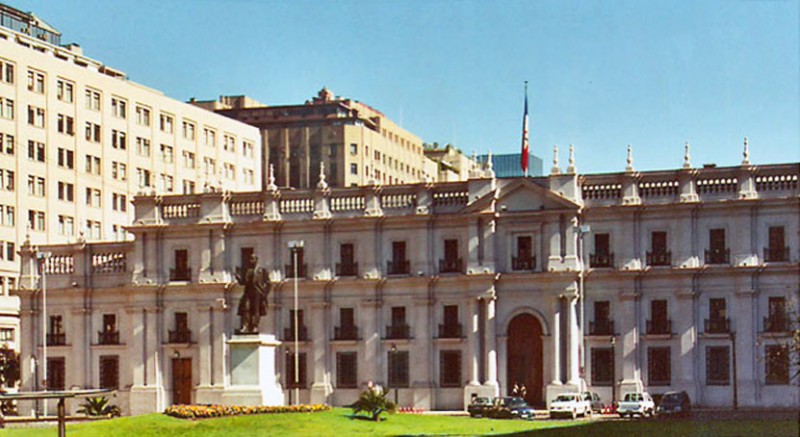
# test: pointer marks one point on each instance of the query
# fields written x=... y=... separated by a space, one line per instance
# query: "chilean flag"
x=524 y=157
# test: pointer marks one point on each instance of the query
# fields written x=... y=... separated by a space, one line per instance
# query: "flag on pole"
x=524 y=157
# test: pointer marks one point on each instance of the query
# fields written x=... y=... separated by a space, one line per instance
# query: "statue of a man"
x=253 y=304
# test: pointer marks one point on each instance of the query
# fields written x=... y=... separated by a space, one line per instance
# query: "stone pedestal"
x=253 y=379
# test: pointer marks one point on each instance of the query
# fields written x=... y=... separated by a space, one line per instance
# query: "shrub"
x=209 y=411
x=373 y=402
x=98 y=406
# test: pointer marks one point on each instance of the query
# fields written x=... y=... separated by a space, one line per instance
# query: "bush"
x=209 y=411
x=98 y=406
x=373 y=402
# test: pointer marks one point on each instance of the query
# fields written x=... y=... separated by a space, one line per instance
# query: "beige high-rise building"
x=79 y=140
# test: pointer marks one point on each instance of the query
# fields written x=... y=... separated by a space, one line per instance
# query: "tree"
x=9 y=367
x=373 y=402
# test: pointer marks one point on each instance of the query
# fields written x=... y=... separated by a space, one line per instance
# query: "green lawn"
x=338 y=422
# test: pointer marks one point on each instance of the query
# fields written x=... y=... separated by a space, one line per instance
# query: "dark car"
x=675 y=403
x=478 y=406
x=510 y=408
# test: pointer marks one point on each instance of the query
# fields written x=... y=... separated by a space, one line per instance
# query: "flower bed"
x=208 y=411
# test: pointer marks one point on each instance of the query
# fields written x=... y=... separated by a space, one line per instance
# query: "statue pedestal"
x=253 y=379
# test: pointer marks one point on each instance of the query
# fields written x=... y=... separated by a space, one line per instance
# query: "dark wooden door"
x=525 y=364
x=181 y=381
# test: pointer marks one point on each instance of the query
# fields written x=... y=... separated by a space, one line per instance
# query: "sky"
x=602 y=74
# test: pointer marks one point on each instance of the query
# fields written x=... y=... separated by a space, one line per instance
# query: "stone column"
x=421 y=378
x=573 y=341
x=371 y=332
x=321 y=388
x=556 y=342
x=491 y=342
x=473 y=342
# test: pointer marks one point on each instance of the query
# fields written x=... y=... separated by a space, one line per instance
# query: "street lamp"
x=295 y=246
x=393 y=352
x=582 y=231
x=613 y=370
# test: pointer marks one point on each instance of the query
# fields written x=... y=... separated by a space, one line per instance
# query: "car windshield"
x=633 y=397
x=565 y=398
x=481 y=401
x=672 y=398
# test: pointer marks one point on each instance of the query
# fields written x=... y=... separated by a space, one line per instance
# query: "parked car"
x=570 y=405
x=478 y=406
x=594 y=401
x=636 y=404
x=675 y=403
x=510 y=408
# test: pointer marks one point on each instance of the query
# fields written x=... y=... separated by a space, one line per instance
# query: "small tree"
x=373 y=402
x=9 y=367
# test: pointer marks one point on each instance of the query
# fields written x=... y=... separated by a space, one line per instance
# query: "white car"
x=570 y=405
x=636 y=403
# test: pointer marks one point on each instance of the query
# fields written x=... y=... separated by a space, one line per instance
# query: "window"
x=9 y=252
x=142 y=116
x=346 y=370
x=717 y=252
x=398 y=265
x=143 y=177
x=602 y=324
x=36 y=82
x=717 y=321
x=210 y=137
x=119 y=202
x=142 y=146
x=6 y=71
x=718 y=366
x=181 y=272
x=36 y=151
x=7 y=215
x=188 y=159
x=166 y=183
x=524 y=259
x=109 y=372
x=602 y=256
x=188 y=130
x=209 y=166
x=249 y=176
x=92 y=99
x=602 y=366
x=354 y=169
x=659 y=322
x=291 y=381
x=230 y=171
x=399 y=327
x=6 y=179
x=658 y=366
x=777 y=321
x=93 y=229
x=66 y=225
x=36 y=220
x=119 y=171
x=119 y=107
x=166 y=123
x=36 y=186
x=64 y=91
x=451 y=328
x=228 y=143
x=658 y=255
x=248 y=149
x=451 y=262
x=93 y=132
x=93 y=196
x=93 y=164
x=36 y=116
x=6 y=108
x=66 y=191
x=398 y=369
x=777 y=364
x=66 y=158
x=353 y=149
x=7 y=144
x=188 y=187
x=182 y=322
x=7 y=334
x=347 y=264
x=377 y=155
x=65 y=124
x=55 y=373
x=119 y=139
x=450 y=368
x=777 y=250
x=166 y=153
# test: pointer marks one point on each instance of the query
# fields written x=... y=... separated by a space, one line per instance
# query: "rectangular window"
x=718 y=366
x=93 y=132
x=36 y=151
x=119 y=107
x=36 y=116
x=717 y=252
x=188 y=187
x=398 y=251
x=36 y=81
x=6 y=108
x=188 y=159
x=166 y=123
x=93 y=196
x=143 y=178
x=777 y=250
x=353 y=149
x=209 y=166
x=166 y=153
x=291 y=381
x=36 y=220
x=346 y=370
x=65 y=124
x=7 y=180
x=7 y=144
x=93 y=164
x=602 y=366
x=188 y=130
x=717 y=309
x=249 y=176
x=230 y=171
x=7 y=334
x=66 y=191
x=450 y=368
x=119 y=171
x=6 y=71
x=248 y=148
x=210 y=137
x=119 y=139
x=354 y=169
x=93 y=229
x=66 y=225
x=659 y=366
x=142 y=116
x=65 y=91
x=228 y=143
x=66 y=158
x=109 y=372
x=777 y=364
x=55 y=373
x=398 y=369
x=142 y=146
x=92 y=99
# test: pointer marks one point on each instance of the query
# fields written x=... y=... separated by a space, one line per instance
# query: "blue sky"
x=602 y=74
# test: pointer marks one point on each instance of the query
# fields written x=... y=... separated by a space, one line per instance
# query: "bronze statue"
x=253 y=304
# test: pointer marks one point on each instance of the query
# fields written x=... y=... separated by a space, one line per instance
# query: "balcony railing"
x=718 y=256
x=59 y=339
x=659 y=327
x=776 y=254
x=776 y=323
x=452 y=330
x=659 y=258
x=719 y=325
x=398 y=267
x=108 y=337
x=180 y=336
x=451 y=265
x=347 y=269
x=395 y=332
x=345 y=333
x=301 y=270
x=601 y=260
x=180 y=274
x=302 y=333
x=524 y=263
x=601 y=327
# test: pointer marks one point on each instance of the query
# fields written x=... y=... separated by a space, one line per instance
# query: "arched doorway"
x=524 y=361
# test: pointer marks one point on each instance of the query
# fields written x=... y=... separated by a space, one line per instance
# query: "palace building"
x=662 y=280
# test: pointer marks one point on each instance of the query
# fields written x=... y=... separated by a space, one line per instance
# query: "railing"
x=659 y=258
x=180 y=274
x=301 y=270
x=452 y=330
x=299 y=205
x=451 y=265
x=450 y=198
x=658 y=188
x=526 y=263
x=601 y=260
x=604 y=191
x=400 y=267
x=719 y=325
x=347 y=269
x=345 y=333
x=776 y=323
x=302 y=333
x=347 y=203
x=107 y=337
x=718 y=256
x=59 y=265
x=717 y=185
x=776 y=182
x=776 y=254
x=601 y=327
x=180 y=336
x=59 y=339
x=659 y=327
x=180 y=210
x=398 y=200
x=104 y=263
x=246 y=207
x=396 y=332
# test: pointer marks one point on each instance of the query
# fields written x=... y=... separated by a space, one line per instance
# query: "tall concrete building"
x=357 y=144
x=79 y=141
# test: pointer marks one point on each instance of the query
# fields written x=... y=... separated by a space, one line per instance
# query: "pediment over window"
x=521 y=195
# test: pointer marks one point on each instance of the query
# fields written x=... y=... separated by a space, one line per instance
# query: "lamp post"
x=393 y=352
x=295 y=246
x=582 y=231
x=613 y=370
x=42 y=266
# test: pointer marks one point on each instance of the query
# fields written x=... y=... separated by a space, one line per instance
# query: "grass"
x=339 y=422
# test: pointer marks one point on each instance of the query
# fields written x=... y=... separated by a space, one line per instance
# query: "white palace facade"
x=690 y=278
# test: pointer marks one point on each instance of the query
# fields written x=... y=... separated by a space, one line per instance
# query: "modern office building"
x=508 y=165
x=662 y=280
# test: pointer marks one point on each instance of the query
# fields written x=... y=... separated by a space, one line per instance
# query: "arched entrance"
x=524 y=361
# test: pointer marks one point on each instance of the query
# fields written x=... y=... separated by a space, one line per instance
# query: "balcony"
x=345 y=333
x=528 y=263
x=400 y=267
x=659 y=327
x=184 y=274
x=107 y=337
x=718 y=256
x=601 y=327
x=301 y=270
x=776 y=323
x=452 y=330
x=659 y=258
x=180 y=336
x=347 y=269
x=302 y=333
x=601 y=260
x=719 y=325
x=776 y=254
x=59 y=339
x=451 y=265
x=397 y=332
